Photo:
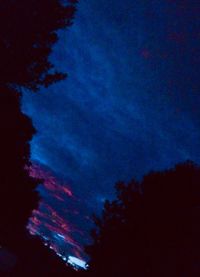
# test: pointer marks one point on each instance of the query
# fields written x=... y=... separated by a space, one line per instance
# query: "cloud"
x=58 y=214
x=130 y=103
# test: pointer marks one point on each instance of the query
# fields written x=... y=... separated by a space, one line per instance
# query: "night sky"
x=130 y=104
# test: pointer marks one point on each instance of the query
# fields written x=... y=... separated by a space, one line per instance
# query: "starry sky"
x=130 y=104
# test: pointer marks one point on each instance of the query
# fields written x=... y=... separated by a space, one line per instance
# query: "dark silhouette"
x=17 y=195
x=35 y=259
x=27 y=34
x=152 y=228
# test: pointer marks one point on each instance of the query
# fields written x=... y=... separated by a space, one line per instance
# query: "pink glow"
x=50 y=182
x=49 y=223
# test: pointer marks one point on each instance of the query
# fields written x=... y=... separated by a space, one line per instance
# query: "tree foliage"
x=152 y=228
x=28 y=31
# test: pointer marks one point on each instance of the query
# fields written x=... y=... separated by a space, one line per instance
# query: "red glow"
x=145 y=53
x=50 y=182
x=49 y=223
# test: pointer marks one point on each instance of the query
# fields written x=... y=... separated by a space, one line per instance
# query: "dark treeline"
x=152 y=228
x=27 y=33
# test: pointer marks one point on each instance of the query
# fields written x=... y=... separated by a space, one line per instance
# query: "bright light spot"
x=60 y=236
x=75 y=262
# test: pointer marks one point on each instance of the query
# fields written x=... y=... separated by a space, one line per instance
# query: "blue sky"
x=131 y=101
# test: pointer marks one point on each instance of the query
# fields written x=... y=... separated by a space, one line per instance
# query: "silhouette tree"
x=152 y=228
x=28 y=31
x=17 y=195
x=27 y=34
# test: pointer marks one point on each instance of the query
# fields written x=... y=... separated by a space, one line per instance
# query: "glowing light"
x=52 y=225
x=75 y=262
x=60 y=236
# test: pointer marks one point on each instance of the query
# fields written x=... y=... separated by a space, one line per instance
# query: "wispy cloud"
x=53 y=221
